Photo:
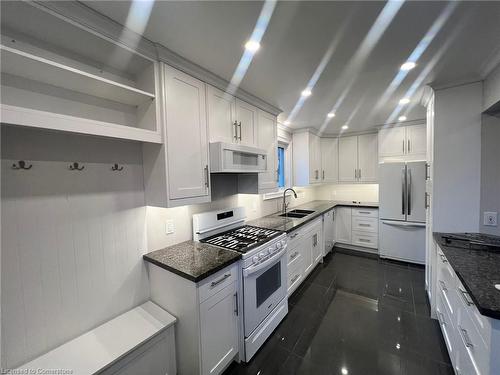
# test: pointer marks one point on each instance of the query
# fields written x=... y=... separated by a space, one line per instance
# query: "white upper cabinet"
x=267 y=140
x=231 y=120
x=329 y=160
x=348 y=159
x=306 y=159
x=177 y=173
x=221 y=116
x=367 y=158
x=416 y=140
x=403 y=143
x=247 y=120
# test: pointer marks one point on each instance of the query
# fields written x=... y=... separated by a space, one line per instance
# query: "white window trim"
x=287 y=145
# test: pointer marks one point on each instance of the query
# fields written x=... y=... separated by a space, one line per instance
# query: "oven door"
x=263 y=289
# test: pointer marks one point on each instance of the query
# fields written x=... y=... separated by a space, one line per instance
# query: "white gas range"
x=263 y=270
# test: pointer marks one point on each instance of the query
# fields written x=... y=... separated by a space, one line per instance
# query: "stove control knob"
x=255 y=259
x=279 y=245
x=261 y=255
x=270 y=250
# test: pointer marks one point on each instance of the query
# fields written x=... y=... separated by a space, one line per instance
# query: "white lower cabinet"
x=305 y=251
x=208 y=314
x=329 y=230
x=357 y=226
x=472 y=339
x=219 y=330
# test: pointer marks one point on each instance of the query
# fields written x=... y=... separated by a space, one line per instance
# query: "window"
x=281 y=167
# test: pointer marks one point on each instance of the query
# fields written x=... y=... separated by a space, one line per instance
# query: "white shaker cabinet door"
x=268 y=141
x=329 y=160
x=247 y=122
x=348 y=159
x=416 y=143
x=392 y=142
x=219 y=330
x=343 y=224
x=221 y=116
x=367 y=158
x=186 y=135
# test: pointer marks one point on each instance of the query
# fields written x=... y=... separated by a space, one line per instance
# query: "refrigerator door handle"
x=403 y=224
x=408 y=189
x=403 y=190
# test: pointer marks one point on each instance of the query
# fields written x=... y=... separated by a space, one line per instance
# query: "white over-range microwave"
x=234 y=158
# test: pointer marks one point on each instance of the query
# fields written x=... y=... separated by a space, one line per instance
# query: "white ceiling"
x=212 y=34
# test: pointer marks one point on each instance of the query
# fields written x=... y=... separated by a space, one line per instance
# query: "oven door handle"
x=250 y=270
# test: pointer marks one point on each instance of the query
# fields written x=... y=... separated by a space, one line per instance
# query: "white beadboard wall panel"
x=72 y=241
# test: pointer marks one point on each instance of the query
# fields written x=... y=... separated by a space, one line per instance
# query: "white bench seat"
x=116 y=345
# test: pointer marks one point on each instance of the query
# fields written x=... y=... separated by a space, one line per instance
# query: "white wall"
x=254 y=204
x=349 y=192
x=457 y=158
x=72 y=242
x=490 y=170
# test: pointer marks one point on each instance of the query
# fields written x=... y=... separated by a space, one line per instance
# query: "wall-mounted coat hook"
x=76 y=167
x=21 y=164
x=116 y=168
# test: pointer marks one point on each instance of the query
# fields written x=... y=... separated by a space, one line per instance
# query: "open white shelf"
x=26 y=65
x=54 y=121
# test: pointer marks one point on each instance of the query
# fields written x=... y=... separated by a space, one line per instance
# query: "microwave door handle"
x=251 y=270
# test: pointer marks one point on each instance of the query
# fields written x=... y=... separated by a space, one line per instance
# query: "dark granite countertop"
x=479 y=271
x=192 y=260
x=288 y=224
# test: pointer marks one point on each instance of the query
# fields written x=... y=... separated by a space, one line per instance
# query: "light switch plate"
x=490 y=219
x=170 y=227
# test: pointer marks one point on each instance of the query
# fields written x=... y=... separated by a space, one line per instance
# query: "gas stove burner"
x=243 y=238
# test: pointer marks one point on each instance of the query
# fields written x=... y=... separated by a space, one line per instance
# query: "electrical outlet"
x=170 y=227
x=490 y=219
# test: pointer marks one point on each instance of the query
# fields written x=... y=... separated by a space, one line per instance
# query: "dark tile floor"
x=355 y=315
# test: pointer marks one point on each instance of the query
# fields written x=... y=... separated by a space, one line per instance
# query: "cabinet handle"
x=205 y=170
x=440 y=318
x=333 y=215
x=465 y=296
x=364 y=212
x=465 y=337
x=278 y=175
x=239 y=126
x=236 y=309
x=315 y=240
x=403 y=146
x=294 y=255
x=217 y=282
x=443 y=286
x=323 y=174
x=427 y=171
x=427 y=200
x=295 y=278
x=443 y=258
x=364 y=225
x=235 y=125
x=355 y=173
x=294 y=235
x=409 y=146
x=364 y=240
x=359 y=174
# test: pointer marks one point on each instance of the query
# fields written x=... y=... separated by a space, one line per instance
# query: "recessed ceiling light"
x=404 y=101
x=331 y=114
x=252 y=46
x=305 y=93
x=402 y=118
x=408 y=66
x=287 y=123
x=344 y=127
x=344 y=371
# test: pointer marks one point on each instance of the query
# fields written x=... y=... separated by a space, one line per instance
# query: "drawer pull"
x=364 y=225
x=443 y=258
x=465 y=296
x=294 y=235
x=364 y=240
x=364 y=212
x=465 y=337
x=443 y=286
x=441 y=318
x=294 y=255
x=217 y=282
x=295 y=278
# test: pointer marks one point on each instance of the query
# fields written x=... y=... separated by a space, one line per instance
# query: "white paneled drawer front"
x=365 y=212
x=294 y=238
x=365 y=239
x=295 y=276
x=365 y=224
x=293 y=256
x=472 y=346
x=445 y=271
x=218 y=281
x=466 y=304
x=447 y=328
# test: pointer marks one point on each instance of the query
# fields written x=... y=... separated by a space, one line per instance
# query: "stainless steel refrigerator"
x=402 y=211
